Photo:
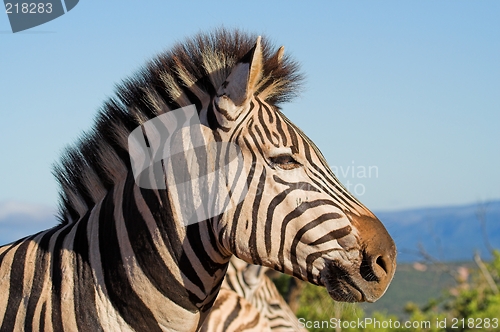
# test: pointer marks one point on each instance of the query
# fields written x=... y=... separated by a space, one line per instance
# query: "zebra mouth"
x=340 y=284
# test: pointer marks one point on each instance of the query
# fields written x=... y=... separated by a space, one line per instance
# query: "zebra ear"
x=244 y=77
x=278 y=57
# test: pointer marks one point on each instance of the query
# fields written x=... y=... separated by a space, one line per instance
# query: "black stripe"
x=250 y=324
x=280 y=130
x=12 y=245
x=275 y=135
x=333 y=235
x=258 y=144
x=297 y=212
x=239 y=207
x=162 y=212
x=279 y=134
x=211 y=118
x=291 y=129
x=264 y=125
x=194 y=236
x=232 y=315
x=223 y=114
x=56 y=267
x=277 y=200
x=192 y=97
x=252 y=241
x=147 y=255
x=84 y=292
x=230 y=284
x=270 y=113
x=237 y=175
x=42 y=317
x=243 y=123
x=15 y=288
x=255 y=133
x=120 y=291
x=2 y=255
x=41 y=264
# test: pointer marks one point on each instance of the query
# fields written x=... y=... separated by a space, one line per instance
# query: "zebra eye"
x=285 y=161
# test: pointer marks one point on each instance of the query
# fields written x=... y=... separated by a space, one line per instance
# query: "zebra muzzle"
x=366 y=278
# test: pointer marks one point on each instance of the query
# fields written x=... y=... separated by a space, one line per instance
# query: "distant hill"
x=417 y=286
x=450 y=233
x=19 y=219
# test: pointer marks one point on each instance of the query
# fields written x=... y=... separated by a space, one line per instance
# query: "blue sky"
x=407 y=89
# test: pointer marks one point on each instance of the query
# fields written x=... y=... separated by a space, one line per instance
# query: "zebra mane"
x=189 y=73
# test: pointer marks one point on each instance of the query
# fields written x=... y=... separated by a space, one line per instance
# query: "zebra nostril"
x=380 y=261
x=367 y=270
x=378 y=258
x=373 y=268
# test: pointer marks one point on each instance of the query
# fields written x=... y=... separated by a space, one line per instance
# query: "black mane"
x=186 y=74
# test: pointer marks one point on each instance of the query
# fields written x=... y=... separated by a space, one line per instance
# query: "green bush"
x=473 y=305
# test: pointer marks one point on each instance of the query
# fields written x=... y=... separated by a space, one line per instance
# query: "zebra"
x=123 y=259
x=233 y=313
x=249 y=301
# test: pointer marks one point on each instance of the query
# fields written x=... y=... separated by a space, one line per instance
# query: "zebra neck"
x=172 y=273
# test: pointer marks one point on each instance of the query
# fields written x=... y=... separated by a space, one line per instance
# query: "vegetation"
x=471 y=304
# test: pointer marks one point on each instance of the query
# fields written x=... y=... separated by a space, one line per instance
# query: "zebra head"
x=296 y=217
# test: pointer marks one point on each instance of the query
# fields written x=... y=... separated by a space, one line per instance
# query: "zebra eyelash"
x=284 y=161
